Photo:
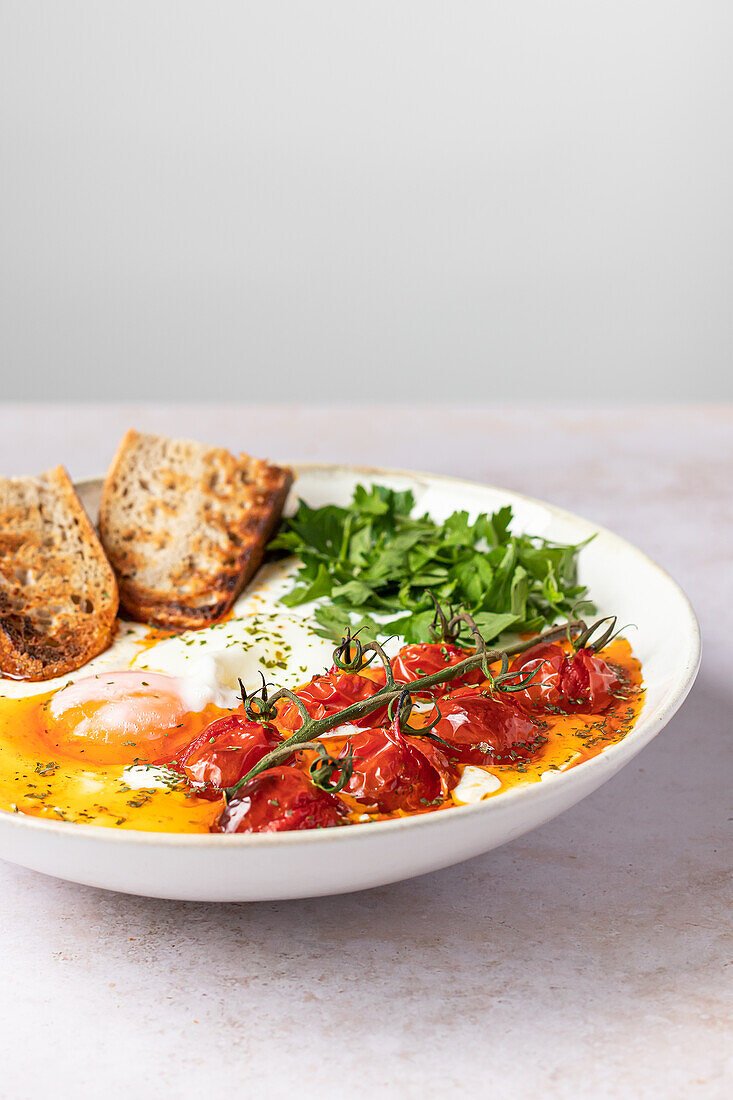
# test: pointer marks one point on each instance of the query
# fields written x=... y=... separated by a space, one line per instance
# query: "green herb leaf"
x=376 y=557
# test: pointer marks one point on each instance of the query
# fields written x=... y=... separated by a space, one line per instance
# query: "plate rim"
x=605 y=760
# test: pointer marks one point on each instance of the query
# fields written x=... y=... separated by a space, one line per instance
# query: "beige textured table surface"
x=588 y=958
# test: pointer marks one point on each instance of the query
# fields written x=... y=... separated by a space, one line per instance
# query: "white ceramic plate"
x=265 y=867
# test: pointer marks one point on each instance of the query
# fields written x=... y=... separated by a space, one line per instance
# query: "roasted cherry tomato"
x=544 y=692
x=326 y=695
x=278 y=800
x=588 y=682
x=226 y=750
x=580 y=681
x=483 y=728
x=423 y=659
x=396 y=772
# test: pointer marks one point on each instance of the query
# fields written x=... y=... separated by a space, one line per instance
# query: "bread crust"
x=185 y=526
x=58 y=593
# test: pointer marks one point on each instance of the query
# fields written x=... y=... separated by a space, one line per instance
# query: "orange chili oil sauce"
x=41 y=783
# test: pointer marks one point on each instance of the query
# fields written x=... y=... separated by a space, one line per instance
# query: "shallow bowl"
x=263 y=867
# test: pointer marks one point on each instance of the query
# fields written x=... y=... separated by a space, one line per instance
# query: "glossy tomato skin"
x=588 y=683
x=226 y=750
x=577 y=682
x=483 y=728
x=280 y=800
x=544 y=693
x=393 y=772
x=327 y=694
x=442 y=759
x=423 y=659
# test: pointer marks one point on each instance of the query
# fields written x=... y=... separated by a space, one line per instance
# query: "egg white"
x=209 y=663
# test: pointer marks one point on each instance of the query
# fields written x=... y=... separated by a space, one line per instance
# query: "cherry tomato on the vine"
x=226 y=750
x=569 y=682
x=424 y=658
x=544 y=691
x=392 y=771
x=483 y=728
x=278 y=800
x=588 y=682
x=328 y=694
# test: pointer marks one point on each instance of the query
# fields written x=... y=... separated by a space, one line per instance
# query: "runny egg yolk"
x=119 y=718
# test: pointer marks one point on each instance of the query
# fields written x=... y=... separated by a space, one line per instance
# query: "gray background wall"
x=407 y=200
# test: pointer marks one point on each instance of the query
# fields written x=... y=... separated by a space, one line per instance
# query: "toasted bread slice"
x=185 y=526
x=58 y=594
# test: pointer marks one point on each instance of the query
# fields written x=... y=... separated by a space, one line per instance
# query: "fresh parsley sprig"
x=375 y=557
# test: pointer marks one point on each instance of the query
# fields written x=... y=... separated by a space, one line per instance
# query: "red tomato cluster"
x=582 y=681
x=392 y=770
